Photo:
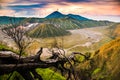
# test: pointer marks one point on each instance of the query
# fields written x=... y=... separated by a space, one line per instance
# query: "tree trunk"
x=10 y=62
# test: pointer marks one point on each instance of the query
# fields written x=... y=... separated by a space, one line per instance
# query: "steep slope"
x=108 y=59
x=47 y=30
x=55 y=14
x=114 y=30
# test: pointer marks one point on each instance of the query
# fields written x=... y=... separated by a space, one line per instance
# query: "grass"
x=48 y=74
x=15 y=76
x=4 y=47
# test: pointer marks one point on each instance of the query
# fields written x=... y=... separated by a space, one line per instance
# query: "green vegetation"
x=65 y=23
x=104 y=63
x=93 y=23
x=47 y=30
x=107 y=60
x=4 y=47
x=15 y=76
x=48 y=74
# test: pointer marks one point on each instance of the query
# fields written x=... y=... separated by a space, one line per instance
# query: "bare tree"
x=16 y=32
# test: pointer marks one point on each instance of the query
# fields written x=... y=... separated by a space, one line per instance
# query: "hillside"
x=47 y=30
x=107 y=60
x=114 y=30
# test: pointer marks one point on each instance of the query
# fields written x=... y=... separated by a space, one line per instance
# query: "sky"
x=92 y=9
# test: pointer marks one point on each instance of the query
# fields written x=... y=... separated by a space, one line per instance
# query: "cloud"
x=67 y=8
x=22 y=13
x=78 y=0
x=39 y=1
x=25 y=14
x=6 y=1
x=7 y=12
x=106 y=17
x=79 y=8
x=28 y=6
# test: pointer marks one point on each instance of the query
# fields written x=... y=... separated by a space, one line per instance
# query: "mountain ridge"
x=57 y=14
x=66 y=22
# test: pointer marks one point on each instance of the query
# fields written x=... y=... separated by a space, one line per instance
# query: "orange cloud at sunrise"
x=7 y=12
x=77 y=8
x=5 y=2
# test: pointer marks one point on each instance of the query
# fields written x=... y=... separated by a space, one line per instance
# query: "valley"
x=79 y=38
x=82 y=40
x=86 y=39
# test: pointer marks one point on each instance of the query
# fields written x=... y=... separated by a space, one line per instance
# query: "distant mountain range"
x=70 y=21
x=57 y=14
x=8 y=20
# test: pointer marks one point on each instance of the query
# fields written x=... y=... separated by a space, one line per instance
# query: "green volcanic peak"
x=47 y=30
x=57 y=14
